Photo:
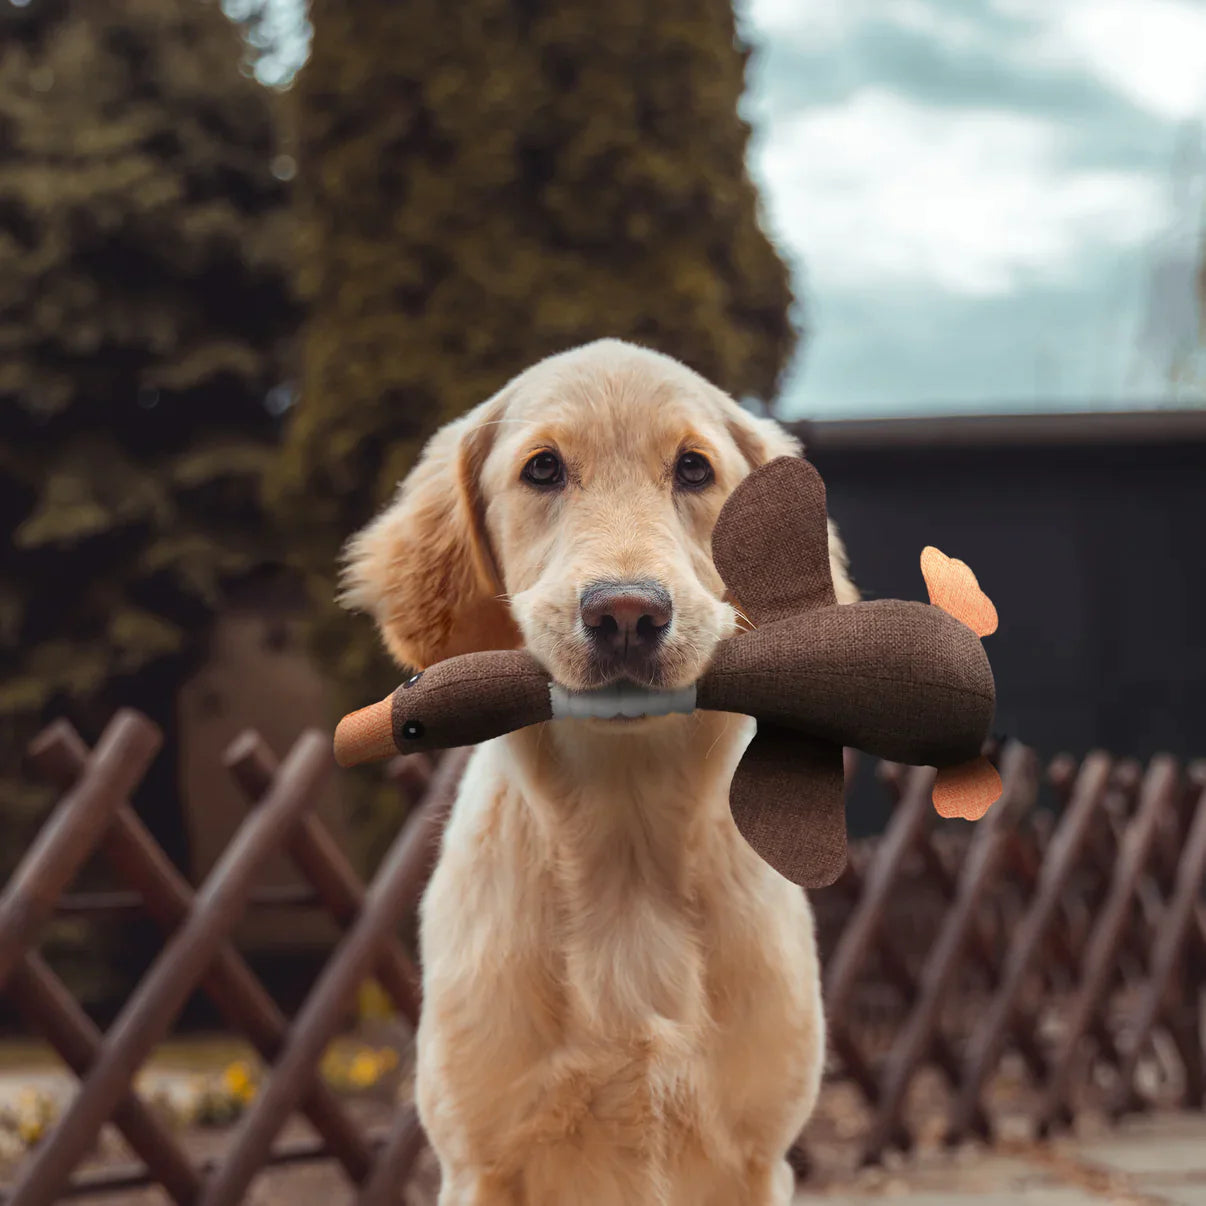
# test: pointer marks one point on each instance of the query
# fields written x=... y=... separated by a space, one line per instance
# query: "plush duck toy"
x=909 y=682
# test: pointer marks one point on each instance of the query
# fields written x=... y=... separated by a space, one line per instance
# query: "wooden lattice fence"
x=1063 y=932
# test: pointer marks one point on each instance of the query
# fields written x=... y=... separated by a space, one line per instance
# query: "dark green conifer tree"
x=145 y=304
x=484 y=183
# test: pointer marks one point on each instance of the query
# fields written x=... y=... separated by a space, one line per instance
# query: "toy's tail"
x=954 y=588
x=968 y=790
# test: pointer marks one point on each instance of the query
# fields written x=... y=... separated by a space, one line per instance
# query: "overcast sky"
x=990 y=204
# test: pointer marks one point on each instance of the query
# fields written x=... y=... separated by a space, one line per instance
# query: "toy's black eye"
x=544 y=469
x=414 y=678
x=693 y=470
x=413 y=729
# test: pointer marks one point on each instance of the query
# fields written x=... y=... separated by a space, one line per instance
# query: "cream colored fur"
x=622 y=1000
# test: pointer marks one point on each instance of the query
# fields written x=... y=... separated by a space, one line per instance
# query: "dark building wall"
x=1087 y=532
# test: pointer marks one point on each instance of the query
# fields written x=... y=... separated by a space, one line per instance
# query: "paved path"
x=1151 y=1161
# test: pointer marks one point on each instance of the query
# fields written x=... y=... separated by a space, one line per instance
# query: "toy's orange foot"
x=954 y=588
x=968 y=790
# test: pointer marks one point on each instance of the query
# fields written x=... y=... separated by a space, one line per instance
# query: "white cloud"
x=824 y=24
x=880 y=190
x=818 y=23
x=971 y=253
x=955 y=30
x=1151 y=51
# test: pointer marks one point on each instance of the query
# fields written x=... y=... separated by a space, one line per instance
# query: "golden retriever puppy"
x=622 y=1002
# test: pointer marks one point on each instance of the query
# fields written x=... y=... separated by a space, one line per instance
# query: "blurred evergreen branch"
x=146 y=309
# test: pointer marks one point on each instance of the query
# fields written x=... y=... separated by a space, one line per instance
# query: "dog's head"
x=571 y=514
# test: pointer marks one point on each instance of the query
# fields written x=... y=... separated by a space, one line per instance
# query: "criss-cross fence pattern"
x=1066 y=931
x=94 y=815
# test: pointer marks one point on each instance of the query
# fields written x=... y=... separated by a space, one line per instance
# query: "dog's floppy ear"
x=762 y=440
x=759 y=440
x=424 y=568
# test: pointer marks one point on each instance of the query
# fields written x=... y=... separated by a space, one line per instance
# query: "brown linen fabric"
x=770 y=542
x=788 y=802
x=469 y=699
x=901 y=680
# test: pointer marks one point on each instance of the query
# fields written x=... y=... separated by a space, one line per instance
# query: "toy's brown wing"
x=771 y=542
x=788 y=801
x=771 y=547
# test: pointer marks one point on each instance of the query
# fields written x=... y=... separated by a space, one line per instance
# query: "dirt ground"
x=1130 y=1164
x=1158 y=1160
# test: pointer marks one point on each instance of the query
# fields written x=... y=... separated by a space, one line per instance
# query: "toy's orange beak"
x=366 y=735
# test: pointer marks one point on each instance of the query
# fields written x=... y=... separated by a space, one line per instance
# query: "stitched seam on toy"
x=458 y=684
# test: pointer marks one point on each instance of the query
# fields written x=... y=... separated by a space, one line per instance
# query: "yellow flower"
x=31 y=1130
x=374 y=1003
x=236 y=1080
x=333 y=1064
x=35 y=1113
x=363 y=1070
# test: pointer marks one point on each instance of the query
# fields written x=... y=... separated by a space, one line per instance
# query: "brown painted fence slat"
x=1062 y=855
x=1099 y=967
x=1178 y=1009
x=127 y=906
x=397 y=1159
x=62 y=847
x=1173 y=935
x=60 y=755
x=48 y=1007
x=320 y=860
x=1019 y=776
x=316 y=1023
x=165 y=988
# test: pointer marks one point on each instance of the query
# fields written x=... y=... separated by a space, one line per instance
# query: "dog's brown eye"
x=693 y=470
x=544 y=469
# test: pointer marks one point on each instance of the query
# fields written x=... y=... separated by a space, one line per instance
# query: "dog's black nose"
x=626 y=620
